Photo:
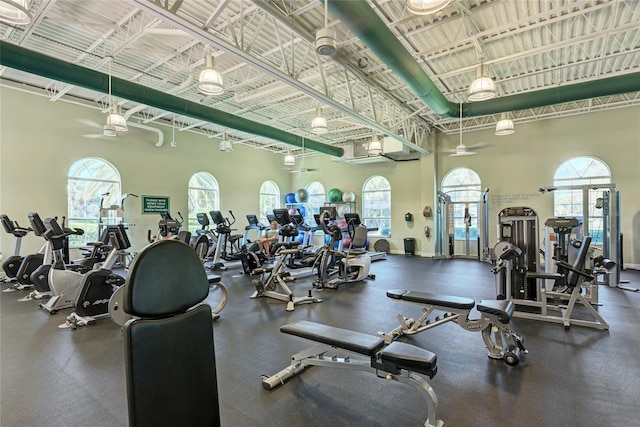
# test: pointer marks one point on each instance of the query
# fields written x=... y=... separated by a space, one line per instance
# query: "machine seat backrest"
x=169 y=348
x=359 y=237
x=579 y=263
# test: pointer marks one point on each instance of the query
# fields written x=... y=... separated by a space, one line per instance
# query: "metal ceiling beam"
x=18 y=58
x=229 y=48
x=360 y=18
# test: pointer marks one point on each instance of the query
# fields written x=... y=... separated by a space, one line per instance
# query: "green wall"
x=39 y=141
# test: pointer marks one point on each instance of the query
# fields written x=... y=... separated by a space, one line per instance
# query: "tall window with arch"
x=376 y=205
x=203 y=195
x=581 y=171
x=462 y=186
x=269 y=200
x=315 y=200
x=92 y=183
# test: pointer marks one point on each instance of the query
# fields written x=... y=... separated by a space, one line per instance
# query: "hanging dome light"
x=210 y=81
x=319 y=123
x=117 y=120
x=426 y=7
x=15 y=12
x=289 y=160
x=504 y=126
x=225 y=145
x=483 y=87
x=375 y=147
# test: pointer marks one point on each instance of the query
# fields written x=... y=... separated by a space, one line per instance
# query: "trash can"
x=409 y=246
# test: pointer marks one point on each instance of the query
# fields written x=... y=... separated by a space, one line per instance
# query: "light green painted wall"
x=39 y=140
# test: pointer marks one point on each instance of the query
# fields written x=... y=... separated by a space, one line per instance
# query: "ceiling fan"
x=301 y=169
x=100 y=131
x=461 y=149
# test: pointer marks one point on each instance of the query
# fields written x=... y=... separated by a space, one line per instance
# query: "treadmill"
x=353 y=220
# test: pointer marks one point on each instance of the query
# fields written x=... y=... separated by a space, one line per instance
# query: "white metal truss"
x=273 y=75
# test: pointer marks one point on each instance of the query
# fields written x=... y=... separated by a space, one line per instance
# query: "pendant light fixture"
x=225 y=145
x=483 y=87
x=426 y=7
x=319 y=123
x=210 y=81
x=375 y=147
x=15 y=12
x=505 y=125
x=289 y=160
x=115 y=120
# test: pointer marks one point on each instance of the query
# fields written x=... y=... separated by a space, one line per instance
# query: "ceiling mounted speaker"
x=325 y=43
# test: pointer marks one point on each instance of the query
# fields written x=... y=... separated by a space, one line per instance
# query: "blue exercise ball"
x=303 y=211
x=290 y=198
x=302 y=196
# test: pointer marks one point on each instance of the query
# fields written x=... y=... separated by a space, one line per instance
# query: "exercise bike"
x=64 y=283
x=97 y=286
x=269 y=279
x=12 y=264
x=336 y=268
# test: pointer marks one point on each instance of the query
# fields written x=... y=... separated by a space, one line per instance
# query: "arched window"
x=269 y=200
x=204 y=196
x=315 y=201
x=581 y=171
x=462 y=185
x=376 y=205
x=90 y=182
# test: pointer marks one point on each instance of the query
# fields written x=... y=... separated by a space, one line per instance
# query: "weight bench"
x=494 y=321
x=395 y=361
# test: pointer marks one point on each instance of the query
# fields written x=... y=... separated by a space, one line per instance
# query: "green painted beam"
x=22 y=59
x=365 y=23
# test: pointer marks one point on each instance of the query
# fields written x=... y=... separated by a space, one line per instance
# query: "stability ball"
x=292 y=211
x=341 y=210
x=348 y=196
x=334 y=195
x=302 y=196
x=346 y=242
x=290 y=198
x=303 y=211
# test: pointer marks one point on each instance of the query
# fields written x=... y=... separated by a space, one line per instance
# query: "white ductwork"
x=150 y=129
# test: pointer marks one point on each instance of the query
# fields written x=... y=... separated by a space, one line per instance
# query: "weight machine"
x=607 y=198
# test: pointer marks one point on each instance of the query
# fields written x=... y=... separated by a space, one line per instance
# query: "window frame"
x=382 y=221
x=268 y=201
x=212 y=198
x=95 y=198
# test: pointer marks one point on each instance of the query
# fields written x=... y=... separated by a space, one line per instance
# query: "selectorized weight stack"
x=517 y=228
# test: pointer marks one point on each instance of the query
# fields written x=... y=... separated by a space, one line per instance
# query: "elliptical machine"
x=334 y=267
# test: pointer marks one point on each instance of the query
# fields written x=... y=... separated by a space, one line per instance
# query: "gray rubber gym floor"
x=576 y=377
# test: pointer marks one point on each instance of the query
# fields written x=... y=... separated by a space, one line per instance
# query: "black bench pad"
x=213 y=278
x=349 y=340
x=501 y=308
x=433 y=299
x=410 y=357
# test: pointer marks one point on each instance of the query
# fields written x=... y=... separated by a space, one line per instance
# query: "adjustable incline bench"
x=495 y=316
x=396 y=361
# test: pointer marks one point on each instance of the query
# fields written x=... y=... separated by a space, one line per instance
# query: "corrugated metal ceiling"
x=265 y=51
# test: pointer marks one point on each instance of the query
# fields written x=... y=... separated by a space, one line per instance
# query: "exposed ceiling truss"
x=274 y=76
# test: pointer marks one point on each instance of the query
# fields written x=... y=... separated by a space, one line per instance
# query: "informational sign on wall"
x=155 y=204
